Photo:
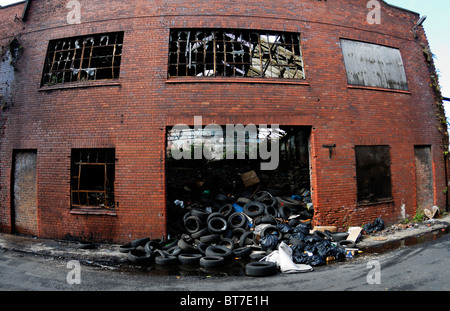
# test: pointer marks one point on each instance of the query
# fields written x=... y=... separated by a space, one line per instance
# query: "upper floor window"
x=235 y=53
x=374 y=65
x=80 y=59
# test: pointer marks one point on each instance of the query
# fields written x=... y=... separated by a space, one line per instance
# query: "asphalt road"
x=422 y=267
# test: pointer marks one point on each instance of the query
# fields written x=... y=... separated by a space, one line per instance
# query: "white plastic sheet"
x=283 y=258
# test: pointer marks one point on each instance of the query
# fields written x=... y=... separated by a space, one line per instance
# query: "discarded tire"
x=246 y=239
x=339 y=236
x=211 y=261
x=140 y=242
x=193 y=224
x=165 y=261
x=189 y=259
x=228 y=243
x=125 y=248
x=242 y=252
x=218 y=250
x=346 y=244
x=138 y=256
x=200 y=233
x=237 y=220
x=271 y=229
x=226 y=210
x=260 y=269
x=254 y=209
x=149 y=248
x=217 y=225
x=188 y=248
x=210 y=238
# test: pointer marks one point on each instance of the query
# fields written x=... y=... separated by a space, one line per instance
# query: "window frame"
x=231 y=53
x=65 y=60
x=79 y=160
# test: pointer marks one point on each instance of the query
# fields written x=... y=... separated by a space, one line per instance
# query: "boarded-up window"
x=373 y=65
x=373 y=174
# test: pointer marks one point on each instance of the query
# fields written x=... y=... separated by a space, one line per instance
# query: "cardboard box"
x=250 y=178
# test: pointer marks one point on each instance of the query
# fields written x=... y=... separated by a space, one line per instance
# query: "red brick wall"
x=132 y=116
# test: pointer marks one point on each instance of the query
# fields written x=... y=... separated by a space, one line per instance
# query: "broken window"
x=373 y=174
x=374 y=65
x=80 y=59
x=235 y=53
x=92 y=178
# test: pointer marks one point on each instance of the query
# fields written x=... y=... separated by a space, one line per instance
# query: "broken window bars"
x=86 y=58
x=235 y=53
x=92 y=183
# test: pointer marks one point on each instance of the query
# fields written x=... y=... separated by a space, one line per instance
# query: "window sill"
x=175 y=80
x=380 y=201
x=92 y=211
x=79 y=85
x=380 y=89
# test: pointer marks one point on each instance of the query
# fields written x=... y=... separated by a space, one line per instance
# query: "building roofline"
x=400 y=8
x=12 y=4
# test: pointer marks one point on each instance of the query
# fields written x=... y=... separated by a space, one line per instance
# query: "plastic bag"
x=377 y=225
x=269 y=242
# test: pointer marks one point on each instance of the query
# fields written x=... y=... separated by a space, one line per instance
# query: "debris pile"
x=214 y=232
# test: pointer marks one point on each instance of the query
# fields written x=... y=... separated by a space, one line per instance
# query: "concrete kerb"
x=108 y=254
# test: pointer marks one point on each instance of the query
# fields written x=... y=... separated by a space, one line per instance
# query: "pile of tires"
x=224 y=230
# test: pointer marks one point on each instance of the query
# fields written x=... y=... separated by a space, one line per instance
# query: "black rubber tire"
x=193 y=224
x=246 y=238
x=253 y=209
x=265 y=219
x=185 y=246
x=161 y=253
x=210 y=238
x=140 y=242
x=138 y=256
x=200 y=213
x=202 y=248
x=261 y=269
x=242 y=252
x=218 y=250
x=261 y=195
x=189 y=259
x=200 y=233
x=174 y=250
x=212 y=215
x=226 y=210
x=321 y=235
x=166 y=261
x=270 y=229
x=228 y=243
x=211 y=261
x=125 y=248
x=149 y=248
x=217 y=225
x=285 y=213
x=271 y=211
x=346 y=244
x=237 y=220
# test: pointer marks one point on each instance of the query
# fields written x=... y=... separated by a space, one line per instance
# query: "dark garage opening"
x=209 y=184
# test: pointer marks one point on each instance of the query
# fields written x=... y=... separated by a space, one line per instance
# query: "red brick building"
x=90 y=90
